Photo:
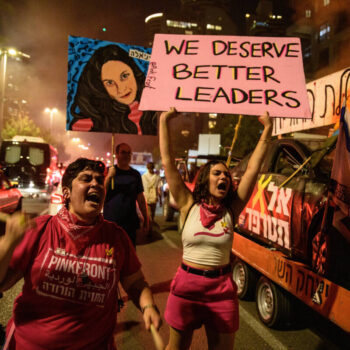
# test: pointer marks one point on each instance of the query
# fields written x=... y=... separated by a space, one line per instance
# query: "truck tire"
x=245 y=278
x=168 y=211
x=274 y=305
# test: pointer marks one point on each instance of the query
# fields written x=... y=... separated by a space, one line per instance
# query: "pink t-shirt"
x=69 y=301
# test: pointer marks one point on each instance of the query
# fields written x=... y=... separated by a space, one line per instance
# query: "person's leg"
x=153 y=211
x=132 y=235
x=179 y=340
x=219 y=341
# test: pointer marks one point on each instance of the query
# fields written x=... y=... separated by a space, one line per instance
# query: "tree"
x=248 y=133
x=22 y=125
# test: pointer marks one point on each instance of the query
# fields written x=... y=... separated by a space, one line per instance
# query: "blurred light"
x=75 y=139
x=51 y=110
x=185 y=133
x=12 y=52
x=104 y=29
x=108 y=154
x=247 y=15
x=155 y=15
x=24 y=101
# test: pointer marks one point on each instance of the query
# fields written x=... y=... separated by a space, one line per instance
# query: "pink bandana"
x=78 y=233
x=135 y=115
x=209 y=214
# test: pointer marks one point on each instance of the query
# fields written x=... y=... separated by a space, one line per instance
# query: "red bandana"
x=209 y=214
x=79 y=233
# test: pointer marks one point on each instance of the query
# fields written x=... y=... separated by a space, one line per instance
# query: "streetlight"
x=51 y=111
x=4 y=53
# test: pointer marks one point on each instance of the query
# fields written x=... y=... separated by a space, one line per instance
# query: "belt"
x=207 y=273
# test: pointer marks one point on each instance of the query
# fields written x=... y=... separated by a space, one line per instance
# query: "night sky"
x=40 y=28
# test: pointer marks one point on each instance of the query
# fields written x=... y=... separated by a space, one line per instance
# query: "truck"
x=281 y=252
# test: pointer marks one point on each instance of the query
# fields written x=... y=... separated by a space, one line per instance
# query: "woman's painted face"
x=119 y=81
x=87 y=195
x=219 y=181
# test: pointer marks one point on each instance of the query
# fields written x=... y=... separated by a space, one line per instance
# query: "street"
x=160 y=255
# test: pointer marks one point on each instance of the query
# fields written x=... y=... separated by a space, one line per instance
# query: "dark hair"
x=78 y=166
x=201 y=189
x=150 y=165
x=93 y=101
x=117 y=148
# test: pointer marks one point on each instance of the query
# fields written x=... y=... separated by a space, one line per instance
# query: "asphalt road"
x=160 y=255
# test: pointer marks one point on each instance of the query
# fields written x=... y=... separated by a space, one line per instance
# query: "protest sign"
x=105 y=81
x=325 y=98
x=226 y=74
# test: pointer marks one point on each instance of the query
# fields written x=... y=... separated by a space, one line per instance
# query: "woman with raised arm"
x=203 y=291
x=72 y=263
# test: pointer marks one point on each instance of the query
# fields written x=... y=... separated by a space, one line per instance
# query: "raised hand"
x=169 y=114
x=265 y=120
x=16 y=225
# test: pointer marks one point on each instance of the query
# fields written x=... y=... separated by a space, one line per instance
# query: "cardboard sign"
x=226 y=74
x=105 y=82
x=325 y=98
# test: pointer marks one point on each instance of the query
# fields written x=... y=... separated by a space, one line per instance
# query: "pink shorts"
x=196 y=300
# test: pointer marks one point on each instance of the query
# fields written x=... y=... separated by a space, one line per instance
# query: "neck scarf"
x=135 y=115
x=79 y=234
x=209 y=214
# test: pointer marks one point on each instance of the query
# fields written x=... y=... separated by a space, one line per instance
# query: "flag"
x=340 y=178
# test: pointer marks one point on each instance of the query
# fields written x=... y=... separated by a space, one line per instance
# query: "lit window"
x=213 y=27
x=177 y=24
x=325 y=29
x=308 y=13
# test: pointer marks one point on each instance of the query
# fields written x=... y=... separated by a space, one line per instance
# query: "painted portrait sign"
x=227 y=74
x=105 y=82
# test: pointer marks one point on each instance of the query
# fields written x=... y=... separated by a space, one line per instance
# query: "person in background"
x=203 y=291
x=151 y=184
x=71 y=263
x=123 y=192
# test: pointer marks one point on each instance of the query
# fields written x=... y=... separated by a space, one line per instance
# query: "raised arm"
x=246 y=185
x=16 y=225
x=109 y=177
x=178 y=189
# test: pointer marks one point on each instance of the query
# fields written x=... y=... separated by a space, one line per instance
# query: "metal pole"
x=228 y=162
x=2 y=94
x=51 y=117
x=112 y=155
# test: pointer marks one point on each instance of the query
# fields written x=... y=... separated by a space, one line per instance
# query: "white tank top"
x=204 y=246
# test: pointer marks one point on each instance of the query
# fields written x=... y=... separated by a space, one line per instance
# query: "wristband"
x=148 y=306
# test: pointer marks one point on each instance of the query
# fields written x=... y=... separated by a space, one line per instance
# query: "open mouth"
x=93 y=197
x=222 y=186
